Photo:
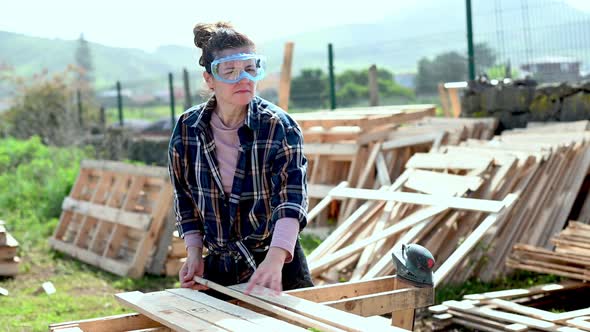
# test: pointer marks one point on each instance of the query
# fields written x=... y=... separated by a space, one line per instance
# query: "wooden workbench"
x=360 y=305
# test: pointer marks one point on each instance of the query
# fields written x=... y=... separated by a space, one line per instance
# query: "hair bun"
x=204 y=31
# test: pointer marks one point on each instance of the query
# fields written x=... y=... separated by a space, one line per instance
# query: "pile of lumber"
x=9 y=261
x=466 y=240
x=571 y=257
x=518 y=310
x=384 y=145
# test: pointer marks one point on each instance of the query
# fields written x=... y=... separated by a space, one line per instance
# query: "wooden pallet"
x=514 y=310
x=359 y=305
x=114 y=216
x=9 y=261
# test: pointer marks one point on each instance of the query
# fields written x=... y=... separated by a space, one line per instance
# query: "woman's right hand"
x=193 y=266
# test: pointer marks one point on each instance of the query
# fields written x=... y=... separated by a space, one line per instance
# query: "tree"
x=451 y=67
x=446 y=67
x=309 y=89
x=84 y=63
x=485 y=57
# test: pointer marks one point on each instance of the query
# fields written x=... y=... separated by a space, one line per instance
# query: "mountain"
x=397 y=42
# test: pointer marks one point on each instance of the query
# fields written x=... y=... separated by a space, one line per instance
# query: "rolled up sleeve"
x=289 y=199
x=188 y=219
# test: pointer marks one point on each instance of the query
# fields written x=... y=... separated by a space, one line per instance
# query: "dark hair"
x=212 y=38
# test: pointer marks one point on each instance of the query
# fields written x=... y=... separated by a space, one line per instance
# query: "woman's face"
x=238 y=94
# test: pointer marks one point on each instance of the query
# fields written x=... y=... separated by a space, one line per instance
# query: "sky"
x=148 y=24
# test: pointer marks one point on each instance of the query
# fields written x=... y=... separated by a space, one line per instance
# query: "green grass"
x=151 y=113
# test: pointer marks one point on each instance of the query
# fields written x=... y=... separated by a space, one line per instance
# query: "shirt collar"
x=200 y=119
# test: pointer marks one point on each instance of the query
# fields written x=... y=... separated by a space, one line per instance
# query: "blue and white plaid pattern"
x=269 y=184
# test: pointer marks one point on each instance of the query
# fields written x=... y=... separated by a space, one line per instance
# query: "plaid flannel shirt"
x=269 y=183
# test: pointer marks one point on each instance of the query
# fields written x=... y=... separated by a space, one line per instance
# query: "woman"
x=239 y=174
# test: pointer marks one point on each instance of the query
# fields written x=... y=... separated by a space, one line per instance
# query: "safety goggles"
x=236 y=67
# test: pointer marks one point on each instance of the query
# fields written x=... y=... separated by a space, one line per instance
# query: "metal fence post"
x=120 y=103
x=331 y=73
x=171 y=85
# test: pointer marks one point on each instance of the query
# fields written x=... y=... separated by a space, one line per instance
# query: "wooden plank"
x=538 y=313
x=422 y=199
x=338 y=318
x=9 y=249
x=340 y=291
x=522 y=292
x=436 y=183
x=311 y=321
x=149 y=239
x=459 y=254
x=333 y=149
x=404 y=318
x=120 y=167
x=580 y=322
x=367 y=170
x=176 y=312
x=503 y=316
x=418 y=217
x=311 y=215
x=265 y=323
x=117 y=323
x=380 y=303
x=9 y=267
x=285 y=82
x=118 y=216
x=117 y=267
x=445 y=161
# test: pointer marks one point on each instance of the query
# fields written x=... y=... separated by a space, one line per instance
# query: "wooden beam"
x=335 y=317
x=119 y=167
x=416 y=218
x=473 y=204
x=322 y=323
x=124 y=322
x=285 y=82
x=458 y=255
x=266 y=323
x=136 y=220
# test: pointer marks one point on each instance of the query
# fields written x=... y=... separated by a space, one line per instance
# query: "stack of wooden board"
x=519 y=162
x=571 y=257
x=377 y=157
x=9 y=261
x=519 y=310
x=359 y=306
x=115 y=216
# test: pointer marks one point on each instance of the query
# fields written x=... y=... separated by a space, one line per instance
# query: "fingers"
x=252 y=283
x=190 y=273
x=267 y=280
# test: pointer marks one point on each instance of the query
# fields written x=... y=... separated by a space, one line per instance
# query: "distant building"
x=553 y=69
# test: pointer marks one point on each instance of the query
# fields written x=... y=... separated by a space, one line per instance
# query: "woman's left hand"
x=269 y=272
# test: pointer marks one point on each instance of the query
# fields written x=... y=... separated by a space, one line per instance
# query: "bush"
x=45 y=107
x=34 y=179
